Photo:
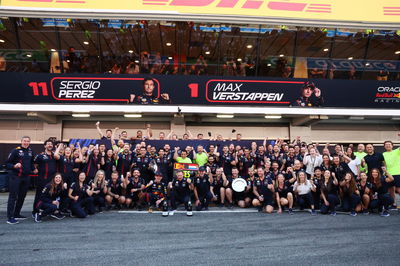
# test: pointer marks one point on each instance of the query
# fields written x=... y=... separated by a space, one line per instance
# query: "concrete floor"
x=219 y=237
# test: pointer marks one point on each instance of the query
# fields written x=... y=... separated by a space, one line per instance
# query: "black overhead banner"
x=197 y=90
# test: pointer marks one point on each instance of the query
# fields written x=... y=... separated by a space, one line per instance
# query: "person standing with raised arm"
x=108 y=138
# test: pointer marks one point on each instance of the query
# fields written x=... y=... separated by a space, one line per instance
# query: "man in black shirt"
x=46 y=163
x=373 y=159
x=202 y=191
x=108 y=138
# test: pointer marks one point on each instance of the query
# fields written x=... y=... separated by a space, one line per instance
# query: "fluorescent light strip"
x=225 y=116
x=132 y=115
x=356 y=117
x=273 y=117
x=81 y=115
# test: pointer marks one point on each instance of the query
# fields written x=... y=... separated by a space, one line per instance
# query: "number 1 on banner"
x=194 y=90
x=35 y=87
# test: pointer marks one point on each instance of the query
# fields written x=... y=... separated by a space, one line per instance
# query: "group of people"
x=80 y=181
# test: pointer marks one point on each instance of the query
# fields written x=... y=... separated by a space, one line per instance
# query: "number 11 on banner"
x=194 y=90
x=35 y=88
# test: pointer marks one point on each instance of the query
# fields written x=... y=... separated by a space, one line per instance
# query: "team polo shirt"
x=201 y=158
x=392 y=161
x=181 y=160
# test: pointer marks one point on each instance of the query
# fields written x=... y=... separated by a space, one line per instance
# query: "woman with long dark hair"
x=350 y=194
x=326 y=163
x=381 y=198
x=50 y=199
x=81 y=197
x=329 y=193
x=364 y=187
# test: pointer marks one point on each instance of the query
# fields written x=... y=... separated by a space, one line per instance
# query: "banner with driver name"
x=197 y=90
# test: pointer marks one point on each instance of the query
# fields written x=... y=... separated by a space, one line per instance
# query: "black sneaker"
x=365 y=212
x=20 y=217
x=353 y=213
x=12 y=221
x=391 y=207
x=385 y=213
x=38 y=217
x=230 y=206
x=291 y=211
x=65 y=212
x=313 y=212
x=57 y=216
x=221 y=205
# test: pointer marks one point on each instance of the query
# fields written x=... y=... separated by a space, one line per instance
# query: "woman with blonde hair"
x=99 y=187
x=283 y=193
x=303 y=187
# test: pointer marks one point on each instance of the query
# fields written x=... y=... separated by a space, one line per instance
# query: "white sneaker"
x=171 y=213
x=189 y=213
x=164 y=214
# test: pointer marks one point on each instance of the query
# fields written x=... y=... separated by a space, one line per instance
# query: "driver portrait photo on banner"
x=150 y=94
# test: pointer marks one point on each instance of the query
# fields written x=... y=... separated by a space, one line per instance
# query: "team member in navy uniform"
x=99 y=187
x=231 y=194
x=114 y=192
x=134 y=189
x=249 y=194
x=202 y=191
x=227 y=161
x=212 y=165
x=51 y=199
x=263 y=190
x=46 y=163
x=142 y=162
x=147 y=97
x=350 y=194
x=157 y=194
x=92 y=164
x=381 y=198
x=245 y=162
x=329 y=193
x=284 y=195
x=20 y=164
x=124 y=161
x=81 y=197
x=163 y=161
x=219 y=186
x=108 y=138
x=365 y=193
x=180 y=192
x=108 y=163
x=340 y=168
